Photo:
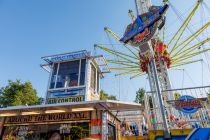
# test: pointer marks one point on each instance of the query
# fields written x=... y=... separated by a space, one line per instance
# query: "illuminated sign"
x=188 y=104
x=66 y=99
x=68 y=57
x=144 y=27
x=66 y=92
x=54 y=117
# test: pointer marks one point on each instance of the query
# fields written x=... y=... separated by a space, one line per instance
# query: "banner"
x=65 y=99
x=54 y=117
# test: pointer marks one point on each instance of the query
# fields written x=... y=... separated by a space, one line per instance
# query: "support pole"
x=142 y=6
x=162 y=109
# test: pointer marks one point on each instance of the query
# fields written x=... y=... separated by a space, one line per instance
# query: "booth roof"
x=107 y=105
x=99 y=60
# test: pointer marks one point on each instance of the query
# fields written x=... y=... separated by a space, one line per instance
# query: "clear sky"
x=30 y=29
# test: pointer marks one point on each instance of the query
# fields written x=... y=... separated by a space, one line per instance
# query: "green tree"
x=177 y=95
x=40 y=101
x=105 y=96
x=140 y=96
x=17 y=93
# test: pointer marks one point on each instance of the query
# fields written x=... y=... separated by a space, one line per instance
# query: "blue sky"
x=30 y=29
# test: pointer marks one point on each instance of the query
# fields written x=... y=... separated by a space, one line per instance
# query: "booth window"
x=93 y=77
x=66 y=74
x=98 y=77
x=82 y=72
x=53 y=78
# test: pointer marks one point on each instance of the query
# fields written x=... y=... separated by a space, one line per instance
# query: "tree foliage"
x=105 y=96
x=140 y=96
x=177 y=95
x=18 y=93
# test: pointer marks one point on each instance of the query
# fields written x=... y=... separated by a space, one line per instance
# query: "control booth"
x=74 y=77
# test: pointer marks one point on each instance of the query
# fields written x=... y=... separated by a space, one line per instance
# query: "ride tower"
x=146 y=52
x=74 y=77
x=153 y=61
x=153 y=58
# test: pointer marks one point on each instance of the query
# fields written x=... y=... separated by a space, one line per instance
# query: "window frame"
x=79 y=75
x=97 y=77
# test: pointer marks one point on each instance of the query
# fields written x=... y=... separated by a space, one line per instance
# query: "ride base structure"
x=146 y=52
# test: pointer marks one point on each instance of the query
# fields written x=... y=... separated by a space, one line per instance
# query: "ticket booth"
x=74 y=77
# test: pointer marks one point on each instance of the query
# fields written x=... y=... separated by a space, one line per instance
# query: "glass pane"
x=82 y=72
x=93 y=77
x=68 y=74
x=53 y=78
x=98 y=77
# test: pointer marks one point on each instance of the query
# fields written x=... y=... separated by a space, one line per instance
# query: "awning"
x=106 y=105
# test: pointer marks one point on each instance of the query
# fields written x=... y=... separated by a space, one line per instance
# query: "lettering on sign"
x=66 y=92
x=66 y=99
x=68 y=57
x=71 y=116
x=194 y=103
x=189 y=104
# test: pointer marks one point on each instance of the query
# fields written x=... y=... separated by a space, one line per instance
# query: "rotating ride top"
x=148 y=53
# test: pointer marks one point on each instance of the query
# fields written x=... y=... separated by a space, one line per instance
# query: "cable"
x=116 y=57
x=190 y=77
x=108 y=44
x=206 y=6
x=182 y=79
x=191 y=31
x=202 y=12
x=179 y=14
x=202 y=72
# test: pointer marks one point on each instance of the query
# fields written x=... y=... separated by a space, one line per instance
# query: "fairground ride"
x=149 y=53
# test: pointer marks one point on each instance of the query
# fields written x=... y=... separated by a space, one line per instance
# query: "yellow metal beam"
x=190 y=50
x=128 y=72
x=130 y=13
x=191 y=38
x=183 y=27
x=185 y=63
x=190 y=56
x=116 y=53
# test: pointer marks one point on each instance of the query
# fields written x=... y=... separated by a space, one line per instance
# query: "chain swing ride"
x=149 y=53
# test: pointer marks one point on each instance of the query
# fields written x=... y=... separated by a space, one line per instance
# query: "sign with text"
x=70 y=116
x=68 y=57
x=189 y=104
x=65 y=99
x=66 y=92
x=145 y=26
